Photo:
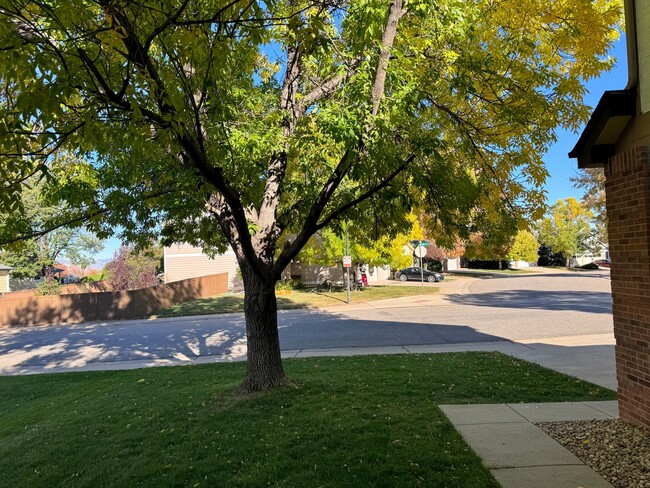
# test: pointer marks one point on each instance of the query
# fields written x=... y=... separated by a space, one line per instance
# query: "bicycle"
x=325 y=285
x=355 y=285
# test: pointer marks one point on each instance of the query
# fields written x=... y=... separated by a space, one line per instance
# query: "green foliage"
x=549 y=258
x=432 y=264
x=567 y=229
x=328 y=248
x=490 y=264
x=397 y=256
x=168 y=107
x=41 y=209
x=290 y=285
x=82 y=249
x=24 y=259
x=325 y=248
x=524 y=247
x=592 y=182
x=49 y=286
x=254 y=124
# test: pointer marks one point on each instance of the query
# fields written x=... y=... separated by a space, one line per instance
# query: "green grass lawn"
x=368 y=421
x=289 y=299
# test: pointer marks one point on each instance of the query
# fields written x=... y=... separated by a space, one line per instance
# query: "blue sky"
x=560 y=167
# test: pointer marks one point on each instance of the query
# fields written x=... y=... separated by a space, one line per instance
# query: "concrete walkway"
x=517 y=452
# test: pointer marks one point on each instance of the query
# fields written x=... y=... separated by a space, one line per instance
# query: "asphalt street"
x=524 y=309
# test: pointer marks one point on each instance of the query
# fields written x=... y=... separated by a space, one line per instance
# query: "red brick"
x=628 y=212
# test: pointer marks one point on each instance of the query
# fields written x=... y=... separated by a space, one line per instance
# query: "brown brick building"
x=617 y=138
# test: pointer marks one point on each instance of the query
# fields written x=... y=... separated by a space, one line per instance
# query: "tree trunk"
x=264 y=369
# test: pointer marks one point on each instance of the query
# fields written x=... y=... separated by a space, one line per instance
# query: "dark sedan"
x=416 y=274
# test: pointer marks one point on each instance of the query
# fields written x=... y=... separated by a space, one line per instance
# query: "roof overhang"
x=598 y=141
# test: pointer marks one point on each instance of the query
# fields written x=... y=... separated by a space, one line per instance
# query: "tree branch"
x=291 y=249
x=327 y=87
x=43 y=152
x=290 y=87
x=168 y=22
x=79 y=219
x=395 y=13
x=311 y=225
x=365 y=196
x=193 y=147
x=11 y=184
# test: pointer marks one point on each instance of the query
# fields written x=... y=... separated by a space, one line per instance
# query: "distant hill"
x=100 y=263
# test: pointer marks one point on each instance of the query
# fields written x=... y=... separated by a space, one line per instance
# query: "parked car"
x=416 y=274
x=603 y=263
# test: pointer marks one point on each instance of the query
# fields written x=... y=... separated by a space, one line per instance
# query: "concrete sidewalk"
x=517 y=452
x=590 y=358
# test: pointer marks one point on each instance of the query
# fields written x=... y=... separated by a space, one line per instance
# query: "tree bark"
x=395 y=13
x=264 y=369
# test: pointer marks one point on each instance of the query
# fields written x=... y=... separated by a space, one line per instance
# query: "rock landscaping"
x=618 y=451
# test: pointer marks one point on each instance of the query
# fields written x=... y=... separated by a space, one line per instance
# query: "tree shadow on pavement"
x=580 y=301
x=159 y=342
x=45 y=348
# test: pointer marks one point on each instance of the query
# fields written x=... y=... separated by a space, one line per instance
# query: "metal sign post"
x=421 y=251
x=421 y=268
x=349 y=259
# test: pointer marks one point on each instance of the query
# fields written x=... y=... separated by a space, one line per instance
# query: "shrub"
x=484 y=264
x=432 y=264
x=589 y=266
x=549 y=258
x=290 y=285
x=131 y=270
x=49 y=286
x=94 y=277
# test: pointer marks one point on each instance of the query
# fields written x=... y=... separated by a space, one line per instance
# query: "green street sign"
x=424 y=243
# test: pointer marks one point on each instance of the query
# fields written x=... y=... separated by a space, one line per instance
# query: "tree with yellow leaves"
x=567 y=228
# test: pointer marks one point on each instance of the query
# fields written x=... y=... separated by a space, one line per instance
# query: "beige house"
x=182 y=261
x=4 y=278
x=312 y=274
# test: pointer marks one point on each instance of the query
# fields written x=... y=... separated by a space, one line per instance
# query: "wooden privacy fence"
x=110 y=305
x=65 y=290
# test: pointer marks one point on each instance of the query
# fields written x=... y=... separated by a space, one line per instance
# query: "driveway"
x=551 y=308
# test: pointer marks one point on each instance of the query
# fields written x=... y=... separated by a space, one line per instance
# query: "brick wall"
x=628 y=213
